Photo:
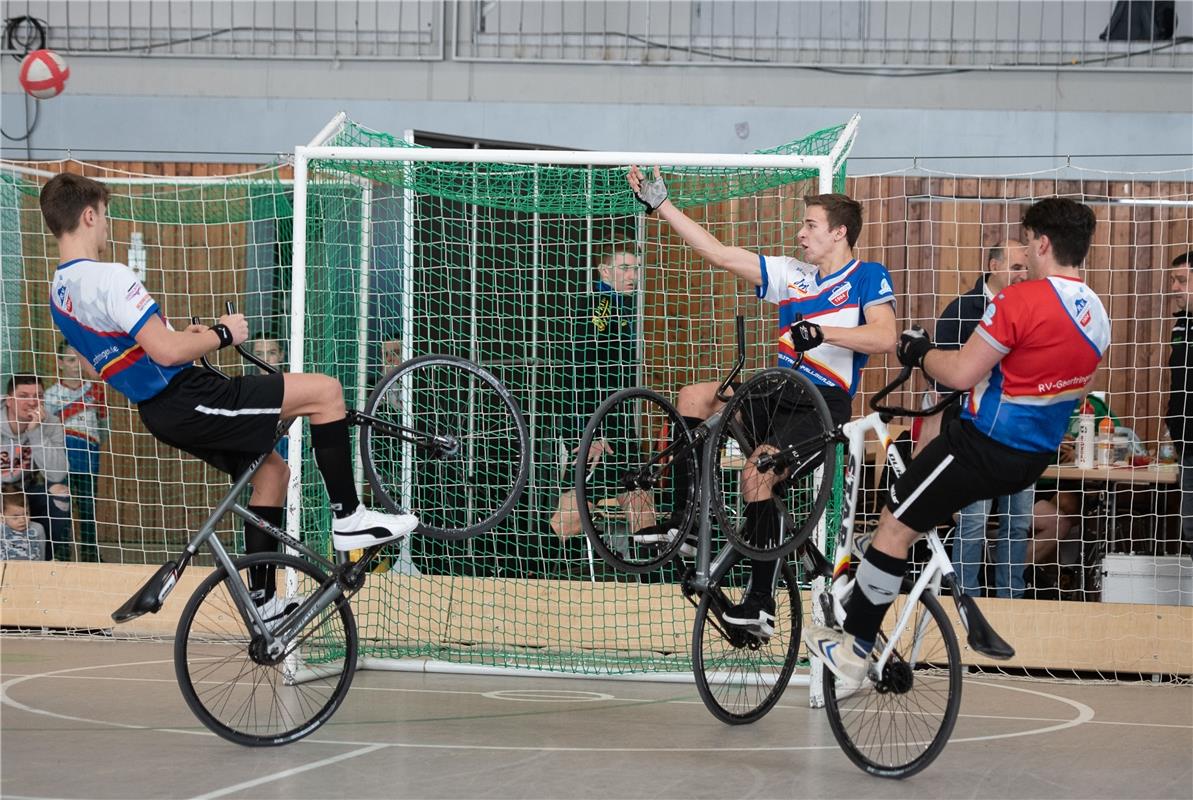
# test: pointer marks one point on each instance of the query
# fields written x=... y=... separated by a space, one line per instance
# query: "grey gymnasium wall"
x=116 y=108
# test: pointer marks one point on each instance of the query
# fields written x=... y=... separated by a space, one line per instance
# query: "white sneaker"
x=275 y=609
x=365 y=528
x=835 y=649
x=755 y=613
x=687 y=549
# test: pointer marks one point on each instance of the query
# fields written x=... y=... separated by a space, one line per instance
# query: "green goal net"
x=515 y=265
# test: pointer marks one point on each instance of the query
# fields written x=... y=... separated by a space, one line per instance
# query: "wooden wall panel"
x=931 y=232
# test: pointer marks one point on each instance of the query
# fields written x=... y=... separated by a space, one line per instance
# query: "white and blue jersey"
x=838 y=300
x=100 y=307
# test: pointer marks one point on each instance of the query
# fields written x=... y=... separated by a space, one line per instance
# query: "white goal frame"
x=826 y=167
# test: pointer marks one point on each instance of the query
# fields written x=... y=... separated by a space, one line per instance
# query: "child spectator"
x=21 y=539
x=33 y=460
x=80 y=405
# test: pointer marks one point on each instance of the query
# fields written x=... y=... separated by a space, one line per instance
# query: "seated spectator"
x=270 y=350
x=1057 y=515
x=391 y=354
x=33 y=460
x=21 y=539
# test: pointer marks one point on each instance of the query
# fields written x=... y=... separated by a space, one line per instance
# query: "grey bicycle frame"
x=709 y=569
x=277 y=639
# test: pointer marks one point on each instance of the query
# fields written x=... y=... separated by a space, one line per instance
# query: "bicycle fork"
x=937 y=574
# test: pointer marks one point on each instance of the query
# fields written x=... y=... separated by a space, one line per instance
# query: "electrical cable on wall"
x=23 y=35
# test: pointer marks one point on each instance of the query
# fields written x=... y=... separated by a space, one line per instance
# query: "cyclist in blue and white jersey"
x=834 y=308
x=107 y=315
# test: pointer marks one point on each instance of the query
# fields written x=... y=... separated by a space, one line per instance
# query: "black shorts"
x=784 y=421
x=226 y=423
x=958 y=467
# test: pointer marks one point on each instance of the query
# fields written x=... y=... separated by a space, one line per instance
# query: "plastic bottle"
x=136 y=255
x=1105 y=442
x=1167 y=452
x=1085 y=436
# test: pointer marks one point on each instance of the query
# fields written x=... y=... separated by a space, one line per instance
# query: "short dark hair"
x=13 y=498
x=1069 y=226
x=63 y=346
x=266 y=336
x=20 y=380
x=841 y=209
x=605 y=252
x=1183 y=259
x=64 y=198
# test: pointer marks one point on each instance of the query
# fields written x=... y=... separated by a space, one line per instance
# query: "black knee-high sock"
x=762 y=528
x=686 y=472
x=261 y=578
x=333 y=456
x=876 y=586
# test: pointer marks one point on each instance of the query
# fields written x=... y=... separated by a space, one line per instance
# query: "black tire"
x=635 y=424
x=739 y=678
x=747 y=422
x=896 y=728
x=252 y=703
x=458 y=495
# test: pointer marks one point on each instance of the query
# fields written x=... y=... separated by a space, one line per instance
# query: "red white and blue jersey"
x=100 y=307
x=838 y=300
x=1053 y=333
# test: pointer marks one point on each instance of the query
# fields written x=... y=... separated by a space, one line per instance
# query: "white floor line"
x=286 y=773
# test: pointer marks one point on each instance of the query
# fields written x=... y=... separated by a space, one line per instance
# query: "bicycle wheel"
x=251 y=700
x=776 y=409
x=469 y=482
x=897 y=726
x=636 y=481
x=739 y=676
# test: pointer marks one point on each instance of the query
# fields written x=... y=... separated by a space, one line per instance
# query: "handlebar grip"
x=203 y=359
x=262 y=365
x=896 y=411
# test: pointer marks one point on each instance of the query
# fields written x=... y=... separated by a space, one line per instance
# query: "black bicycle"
x=440 y=436
x=900 y=719
x=672 y=480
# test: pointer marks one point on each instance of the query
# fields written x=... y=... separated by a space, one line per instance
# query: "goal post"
x=497 y=261
x=492 y=256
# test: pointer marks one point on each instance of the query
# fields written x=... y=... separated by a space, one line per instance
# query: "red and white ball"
x=44 y=74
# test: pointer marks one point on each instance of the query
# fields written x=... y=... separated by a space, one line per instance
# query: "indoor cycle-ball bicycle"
x=900 y=719
x=441 y=436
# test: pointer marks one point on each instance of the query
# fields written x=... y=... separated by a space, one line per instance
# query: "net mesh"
x=395 y=270
x=500 y=263
x=197 y=245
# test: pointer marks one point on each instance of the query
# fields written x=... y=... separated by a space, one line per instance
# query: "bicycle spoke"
x=248 y=700
x=898 y=726
x=740 y=676
x=456 y=493
x=636 y=492
x=778 y=417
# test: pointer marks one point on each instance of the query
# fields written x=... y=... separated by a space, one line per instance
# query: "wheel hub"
x=897 y=678
x=259 y=652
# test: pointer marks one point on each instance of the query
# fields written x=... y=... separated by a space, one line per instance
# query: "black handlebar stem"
x=896 y=411
x=261 y=364
x=722 y=390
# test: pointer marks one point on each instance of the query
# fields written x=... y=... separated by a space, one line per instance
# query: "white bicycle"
x=900 y=719
x=898 y=722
